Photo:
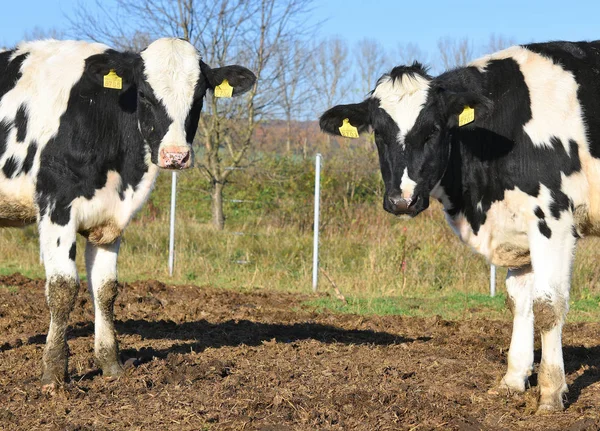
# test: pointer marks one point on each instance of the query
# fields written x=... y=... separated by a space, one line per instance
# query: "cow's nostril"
x=185 y=158
x=399 y=204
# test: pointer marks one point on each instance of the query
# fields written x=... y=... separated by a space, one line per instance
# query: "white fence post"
x=315 y=274
x=172 y=223
x=493 y=280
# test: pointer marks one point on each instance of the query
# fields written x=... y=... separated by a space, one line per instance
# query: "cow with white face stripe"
x=510 y=145
x=83 y=132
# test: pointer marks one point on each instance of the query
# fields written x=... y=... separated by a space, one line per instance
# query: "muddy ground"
x=210 y=359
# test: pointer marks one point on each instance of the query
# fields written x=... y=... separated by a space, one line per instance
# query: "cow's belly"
x=503 y=238
x=17 y=207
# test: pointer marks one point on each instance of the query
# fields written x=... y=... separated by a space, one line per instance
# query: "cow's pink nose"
x=174 y=158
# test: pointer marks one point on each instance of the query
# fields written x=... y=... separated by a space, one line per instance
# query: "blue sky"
x=392 y=22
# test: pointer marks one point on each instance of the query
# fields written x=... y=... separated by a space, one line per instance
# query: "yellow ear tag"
x=466 y=116
x=348 y=130
x=112 y=80
x=224 y=89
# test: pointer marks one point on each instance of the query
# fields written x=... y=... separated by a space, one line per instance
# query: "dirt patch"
x=208 y=359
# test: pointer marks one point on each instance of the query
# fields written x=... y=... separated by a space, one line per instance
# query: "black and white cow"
x=510 y=145
x=84 y=130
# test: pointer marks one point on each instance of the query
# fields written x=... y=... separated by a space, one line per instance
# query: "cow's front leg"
x=552 y=244
x=58 y=247
x=101 y=265
x=519 y=286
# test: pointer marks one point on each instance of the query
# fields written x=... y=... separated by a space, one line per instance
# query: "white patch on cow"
x=55 y=252
x=555 y=108
x=403 y=100
x=440 y=194
x=506 y=225
x=106 y=206
x=101 y=267
x=407 y=185
x=519 y=286
x=172 y=68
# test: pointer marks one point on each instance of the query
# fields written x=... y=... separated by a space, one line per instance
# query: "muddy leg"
x=550 y=316
x=552 y=252
x=62 y=283
x=101 y=265
x=519 y=285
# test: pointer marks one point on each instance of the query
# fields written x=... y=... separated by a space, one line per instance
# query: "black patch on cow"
x=10 y=71
x=10 y=167
x=544 y=229
x=29 y=158
x=582 y=59
x=539 y=213
x=58 y=242
x=560 y=202
x=5 y=128
x=73 y=251
x=489 y=157
x=21 y=123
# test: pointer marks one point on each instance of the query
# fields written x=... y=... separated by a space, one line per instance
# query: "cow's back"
x=36 y=80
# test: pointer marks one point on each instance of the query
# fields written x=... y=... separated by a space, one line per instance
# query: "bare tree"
x=372 y=62
x=330 y=72
x=293 y=85
x=454 y=52
x=37 y=33
x=409 y=53
x=497 y=43
x=247 y=32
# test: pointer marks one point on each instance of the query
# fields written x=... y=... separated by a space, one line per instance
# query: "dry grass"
x=371 y=256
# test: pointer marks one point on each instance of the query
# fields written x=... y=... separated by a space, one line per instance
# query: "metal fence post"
x=315 y=274
x=493 y=280
x=172 y=223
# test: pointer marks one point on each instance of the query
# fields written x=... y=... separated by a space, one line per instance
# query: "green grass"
x=456 y=306
x=451 y=307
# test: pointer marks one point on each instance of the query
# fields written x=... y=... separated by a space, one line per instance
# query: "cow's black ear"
x=357 y=116
x=228 y=80
x=463 y=108
x=111 y=69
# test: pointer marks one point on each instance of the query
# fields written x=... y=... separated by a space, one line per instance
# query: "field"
x=214 y=359
x=236 y=340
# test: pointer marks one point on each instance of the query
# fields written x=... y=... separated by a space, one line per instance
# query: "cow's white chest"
x=503 y=238
x=107 y=213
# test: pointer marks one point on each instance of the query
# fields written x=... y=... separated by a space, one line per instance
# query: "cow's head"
x=411 y=117
x=167 y=82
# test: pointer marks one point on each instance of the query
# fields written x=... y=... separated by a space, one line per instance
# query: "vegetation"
x=382 y=264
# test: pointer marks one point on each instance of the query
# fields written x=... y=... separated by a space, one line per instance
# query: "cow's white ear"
x=346 y=120
x=111 y=70
x=228 y=81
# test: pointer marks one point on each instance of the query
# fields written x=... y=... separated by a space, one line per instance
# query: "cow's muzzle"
x=175 y=157
x=396 y=204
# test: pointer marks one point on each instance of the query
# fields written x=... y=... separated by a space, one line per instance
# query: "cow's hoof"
x=551 y=404
x=113 y=370
x=546 y=409
x=509 y=386
x=50 y=388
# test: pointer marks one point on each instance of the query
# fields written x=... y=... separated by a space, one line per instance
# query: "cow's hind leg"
x=101 y=265
x=519 y=286
x=57 y=243
x=552 y=251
